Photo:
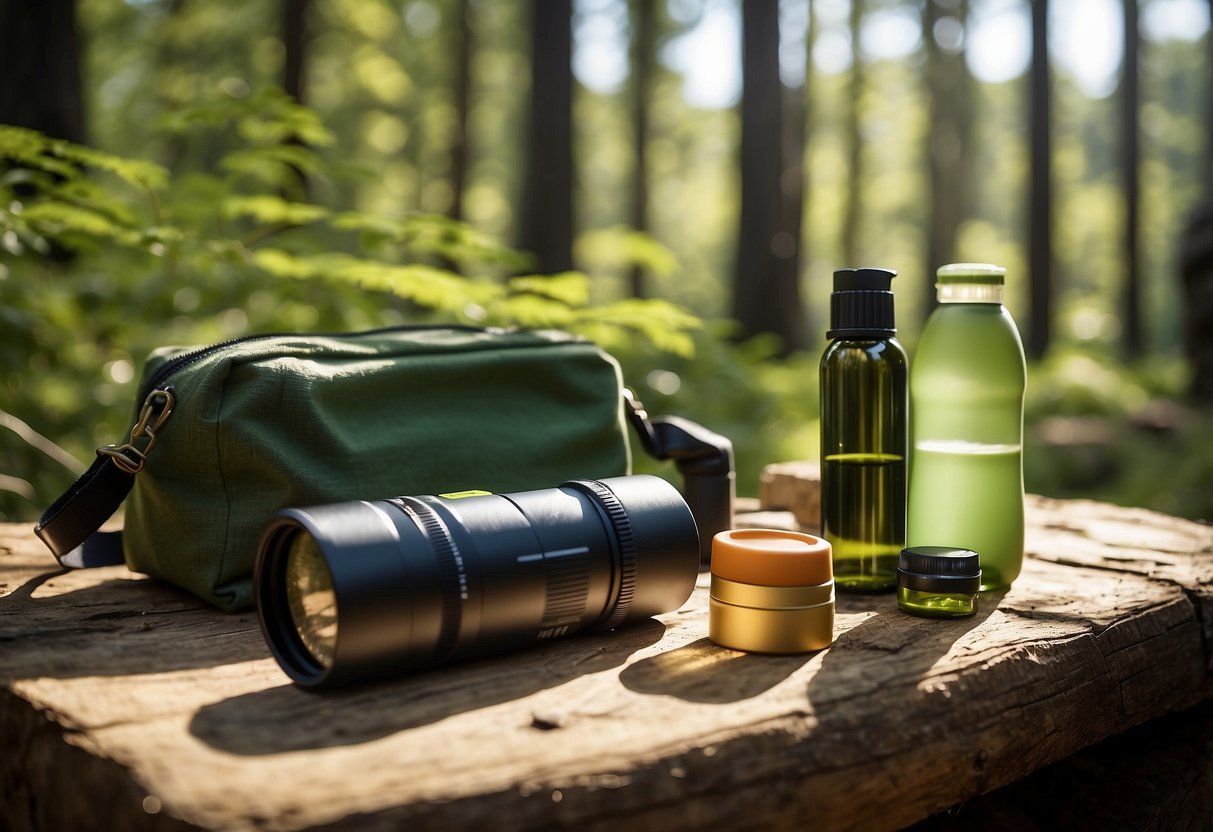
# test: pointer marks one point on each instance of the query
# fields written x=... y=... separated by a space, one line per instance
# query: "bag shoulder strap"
x=70 y=526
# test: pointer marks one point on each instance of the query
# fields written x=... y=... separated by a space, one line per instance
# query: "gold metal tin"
x=771 y=619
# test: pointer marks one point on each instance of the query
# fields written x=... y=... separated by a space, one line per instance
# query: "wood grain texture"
x=125 y=699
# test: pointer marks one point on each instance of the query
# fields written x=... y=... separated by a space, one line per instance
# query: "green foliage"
x=38 y=157
x=106 y=257
x=620 y=247
x=431 y=235
x=50 y=199
x=268 y=209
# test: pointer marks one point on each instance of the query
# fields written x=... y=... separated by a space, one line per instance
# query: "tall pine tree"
x=547 y=200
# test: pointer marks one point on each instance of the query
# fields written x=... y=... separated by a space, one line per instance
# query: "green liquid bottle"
x=863 y=433
x=967 y=388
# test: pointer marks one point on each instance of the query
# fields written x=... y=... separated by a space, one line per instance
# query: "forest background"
x=674 y=179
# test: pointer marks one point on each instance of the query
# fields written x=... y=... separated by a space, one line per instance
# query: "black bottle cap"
x=939 y=569
x=861 y=305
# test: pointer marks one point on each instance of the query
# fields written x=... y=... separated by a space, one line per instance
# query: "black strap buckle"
x=703 y=458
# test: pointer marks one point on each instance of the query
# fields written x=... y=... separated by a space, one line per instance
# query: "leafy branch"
x=50 y=195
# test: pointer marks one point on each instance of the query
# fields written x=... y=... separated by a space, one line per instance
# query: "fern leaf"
x=663 y=324
x=30 y=149
x=532 y=311
x=281 y=263
x=273 y=210
x=571 y=288
x=434 y=234
x=273 y=117
x=425 y=285
x=58 y=219
x=138 y=172
x=275 y=165
x=620 y=248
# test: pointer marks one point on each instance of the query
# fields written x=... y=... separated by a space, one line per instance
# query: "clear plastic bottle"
x=966 y=391
x=863 y=432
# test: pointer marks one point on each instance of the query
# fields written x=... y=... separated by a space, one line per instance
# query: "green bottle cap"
x=971 y=273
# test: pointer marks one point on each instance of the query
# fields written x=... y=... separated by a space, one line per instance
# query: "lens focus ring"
x=617 y=515
x=448 y=560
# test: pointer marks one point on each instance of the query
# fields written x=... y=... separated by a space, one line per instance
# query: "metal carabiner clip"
x=157 y=407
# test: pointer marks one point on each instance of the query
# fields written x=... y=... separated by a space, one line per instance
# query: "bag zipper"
x=170 y=367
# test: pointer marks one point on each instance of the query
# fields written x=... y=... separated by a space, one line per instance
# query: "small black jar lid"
x=939 y=569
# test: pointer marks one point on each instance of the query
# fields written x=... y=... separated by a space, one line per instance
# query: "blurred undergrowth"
x=103 y=258
x=1098 y=429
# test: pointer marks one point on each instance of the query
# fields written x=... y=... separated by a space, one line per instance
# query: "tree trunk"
x=1196 y=260
x=42 y=87
x=295 y=37
x=165 y=55
x=788 y=241
x=1209 y=108
x=1040 y=227
x=806 y=176
x=1130 y=156
x=644 y=45
x=854 y=203
x=1196 y=272
x=547 y=214
x=949 y=143
x=764 y=300
x=460 y=154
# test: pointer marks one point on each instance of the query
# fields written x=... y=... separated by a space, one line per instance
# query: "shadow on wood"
x=65 y=624
x=705 y=672
x=288 y=718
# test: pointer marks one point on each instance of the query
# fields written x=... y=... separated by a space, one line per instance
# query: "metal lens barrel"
x=363 y=590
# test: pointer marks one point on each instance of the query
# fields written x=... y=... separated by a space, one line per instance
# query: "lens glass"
x=310 y=596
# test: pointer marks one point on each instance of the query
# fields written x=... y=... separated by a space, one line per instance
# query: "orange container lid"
x=771 y=557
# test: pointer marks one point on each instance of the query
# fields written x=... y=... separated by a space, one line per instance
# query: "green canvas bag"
x=227 y=434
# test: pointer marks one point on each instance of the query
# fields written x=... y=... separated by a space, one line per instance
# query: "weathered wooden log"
x=125 y=700
x=795 y=487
